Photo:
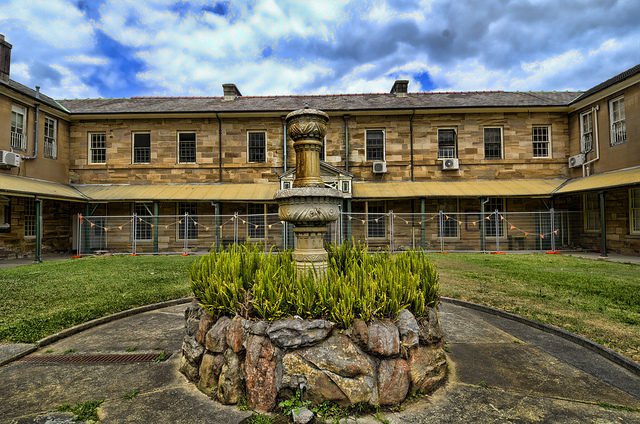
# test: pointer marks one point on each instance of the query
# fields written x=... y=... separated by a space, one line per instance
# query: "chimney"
x=231 y=92
x=400 y=88
x=5 y=59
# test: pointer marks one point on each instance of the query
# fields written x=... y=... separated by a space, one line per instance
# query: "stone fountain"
x=309 y=205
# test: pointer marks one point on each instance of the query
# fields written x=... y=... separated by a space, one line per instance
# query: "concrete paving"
x=500 y=371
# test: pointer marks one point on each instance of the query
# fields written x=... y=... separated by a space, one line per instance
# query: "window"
x=618 y=126
x=322 y=148
x=491 y=222
x=493 y=143
x=97 y=148
x=591 y=208
x=18 y=126
x=634 y=210
x=376 y=220
x=186 y=147
x=586 y=132
x=449 y=208
x=50 y=135
x=141 y=148
x=541 y=142
x=29 y=217
x=257 y=143
x=5 y=214
x=255 y=221
x=188 y=223
x=447 y=143
x=375 y=144
x=144 y=227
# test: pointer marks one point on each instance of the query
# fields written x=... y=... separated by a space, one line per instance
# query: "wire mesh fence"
x=441 y=231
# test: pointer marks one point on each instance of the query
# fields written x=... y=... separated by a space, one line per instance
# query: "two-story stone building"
x=465 y=153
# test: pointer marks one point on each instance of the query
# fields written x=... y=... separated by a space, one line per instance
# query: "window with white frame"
x=540 y=136
x=618 y=126
x=141 y=147
x=18 y=127
x=5 y=214
x=634 y=210
x=449 y=208
x=257 y=146
x=447 y=143
x=591 y=212
x=186 y=147
x=50 y=138
x=586 y=132
x=493 y=143
x=188 y=220
x=255 y=221
x=494 y=224
x=144 y=221
x=97 y=148
x=29 y=217
x=376 y=223
x=375 y=144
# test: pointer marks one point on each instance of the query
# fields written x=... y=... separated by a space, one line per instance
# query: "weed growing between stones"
x=162 y=357
x=69 y=351
x=131 y=395
x=85 y=411
x=293 y=404
x=246 y=281
x=260 y=419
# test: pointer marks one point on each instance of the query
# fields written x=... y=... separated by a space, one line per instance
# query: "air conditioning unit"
x=379 y=167
x=449 y=164
x=576 y=160
x=8 y=159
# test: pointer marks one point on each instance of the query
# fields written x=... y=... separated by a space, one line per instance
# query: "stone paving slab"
x=11 y=350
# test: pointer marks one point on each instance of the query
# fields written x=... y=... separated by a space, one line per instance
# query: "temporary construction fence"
x=441 y=231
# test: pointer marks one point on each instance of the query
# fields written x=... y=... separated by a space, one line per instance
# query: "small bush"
x=244 y=280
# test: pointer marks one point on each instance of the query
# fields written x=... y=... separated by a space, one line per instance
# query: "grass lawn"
x=598 y=300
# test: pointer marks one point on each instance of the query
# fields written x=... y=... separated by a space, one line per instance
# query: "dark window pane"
x=447 y=143
x=375 y=145
x=376 y=220
x=255 y=221
x=492 y=143
x=190 y=220
x=257 y=147
x=143 y=221
x=186 y=147
x=141 y=148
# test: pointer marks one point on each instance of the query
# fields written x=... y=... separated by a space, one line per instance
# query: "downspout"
x=594 y=112
x=37 y=123
x=219 y=148
x=411 y=140
x=346 y=142
x=284 y=141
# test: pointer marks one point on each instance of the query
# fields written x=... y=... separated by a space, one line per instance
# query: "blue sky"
x=99 y=48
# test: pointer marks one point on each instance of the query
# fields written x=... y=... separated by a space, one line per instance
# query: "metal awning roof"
x=191 y=192
x=466 y=188
x=622 y=177
x=23 y=186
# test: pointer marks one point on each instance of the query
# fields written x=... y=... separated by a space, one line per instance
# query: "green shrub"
x=246 y=281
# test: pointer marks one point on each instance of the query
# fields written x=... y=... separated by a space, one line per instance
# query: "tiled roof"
x=611 y=81
x=340 y=102
x=23 y=89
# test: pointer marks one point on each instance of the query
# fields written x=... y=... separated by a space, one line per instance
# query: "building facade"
x=127 y=170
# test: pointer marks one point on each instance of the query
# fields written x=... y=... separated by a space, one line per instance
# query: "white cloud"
x=70 y=86
x=607 y=46
x=86 y=60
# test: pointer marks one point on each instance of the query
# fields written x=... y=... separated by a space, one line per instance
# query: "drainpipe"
x=603 y=227
x=346 y=142
x=38 y=255
x=411 y=140
x=37 y=122
x=594 y=113
x=284 y=141
x=219 y=148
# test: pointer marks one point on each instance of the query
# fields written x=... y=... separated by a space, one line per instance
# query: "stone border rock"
x=603 y=351
x=380 y=363
x=93 y=323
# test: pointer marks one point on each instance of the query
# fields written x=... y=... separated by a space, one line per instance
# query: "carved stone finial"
x=307 y=123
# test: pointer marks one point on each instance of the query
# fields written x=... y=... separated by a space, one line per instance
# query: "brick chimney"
x=231 y=92
x=5 y=59
x=400 y=88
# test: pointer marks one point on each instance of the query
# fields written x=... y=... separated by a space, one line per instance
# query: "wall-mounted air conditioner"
x=450 y=164
x=576 y=160
x=8 y=159
x=379 y=167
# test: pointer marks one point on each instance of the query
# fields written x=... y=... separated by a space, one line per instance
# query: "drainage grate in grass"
x=94 y=359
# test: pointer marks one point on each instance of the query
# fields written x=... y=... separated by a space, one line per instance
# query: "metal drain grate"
x=93 y=359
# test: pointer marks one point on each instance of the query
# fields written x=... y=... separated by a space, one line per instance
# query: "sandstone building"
x=411 y=153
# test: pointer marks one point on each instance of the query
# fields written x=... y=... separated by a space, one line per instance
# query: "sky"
x=101 y=48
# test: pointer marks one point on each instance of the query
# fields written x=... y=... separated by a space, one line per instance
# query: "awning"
x=466 y=188
x=191 y=192
x=23 y=186
x=623 y=177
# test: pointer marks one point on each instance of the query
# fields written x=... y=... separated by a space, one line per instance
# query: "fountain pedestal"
x=308 y=205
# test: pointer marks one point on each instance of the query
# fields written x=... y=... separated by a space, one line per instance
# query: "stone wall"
x=380 y=363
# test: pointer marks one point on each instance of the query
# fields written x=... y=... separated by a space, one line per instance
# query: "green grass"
x=38 y=300
x=85 y=411
x=598 y=300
